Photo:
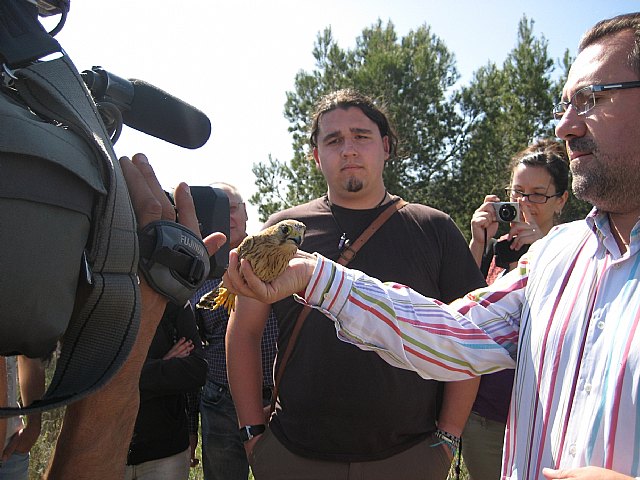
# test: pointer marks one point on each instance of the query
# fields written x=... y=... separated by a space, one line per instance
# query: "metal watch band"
x=249 y=431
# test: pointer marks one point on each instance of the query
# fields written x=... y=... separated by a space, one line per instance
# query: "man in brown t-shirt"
x=341 y=412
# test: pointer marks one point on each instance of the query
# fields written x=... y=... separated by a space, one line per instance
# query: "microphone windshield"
x=155 y=112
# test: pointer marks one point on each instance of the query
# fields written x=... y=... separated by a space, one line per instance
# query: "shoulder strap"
x=350 y=252
x=345 y=257
x=106 y=316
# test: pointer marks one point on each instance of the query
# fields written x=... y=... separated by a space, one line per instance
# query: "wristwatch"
x=249 y=431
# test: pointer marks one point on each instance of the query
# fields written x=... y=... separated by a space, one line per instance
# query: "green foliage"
x=503 y=109
x=412 y=75
x=43 y=449
x=455 y=143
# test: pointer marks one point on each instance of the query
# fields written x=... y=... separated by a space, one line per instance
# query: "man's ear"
x=385 y=143
x=316 y=158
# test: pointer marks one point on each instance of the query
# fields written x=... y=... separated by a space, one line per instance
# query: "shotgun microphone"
x=148 y=109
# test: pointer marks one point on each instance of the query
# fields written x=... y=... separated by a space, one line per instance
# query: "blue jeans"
x=223 y=455
x=16 y=467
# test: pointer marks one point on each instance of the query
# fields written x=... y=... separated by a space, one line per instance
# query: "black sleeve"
x=175 y=375
x=459 y=274
x=193 y=410
x=487 y=257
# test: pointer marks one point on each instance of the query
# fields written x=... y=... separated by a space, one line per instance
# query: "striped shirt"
x=566 y=319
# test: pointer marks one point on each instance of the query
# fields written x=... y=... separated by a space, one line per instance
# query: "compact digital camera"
x=507 y=212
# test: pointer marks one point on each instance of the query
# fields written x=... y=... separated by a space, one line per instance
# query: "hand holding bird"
x=269 y=252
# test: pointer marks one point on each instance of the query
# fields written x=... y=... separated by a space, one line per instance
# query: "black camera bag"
x=68 y=244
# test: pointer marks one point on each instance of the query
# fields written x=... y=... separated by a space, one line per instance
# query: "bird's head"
x=290 y=231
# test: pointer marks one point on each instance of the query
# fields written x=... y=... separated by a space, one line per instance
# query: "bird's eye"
x=286 y=229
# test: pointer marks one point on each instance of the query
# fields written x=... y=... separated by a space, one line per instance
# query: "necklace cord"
x=344 y=242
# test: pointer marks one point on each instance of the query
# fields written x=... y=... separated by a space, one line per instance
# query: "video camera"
x=69 y=245
x=212 y=210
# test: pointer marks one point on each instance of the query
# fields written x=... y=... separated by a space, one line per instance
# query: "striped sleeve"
x=411 y=331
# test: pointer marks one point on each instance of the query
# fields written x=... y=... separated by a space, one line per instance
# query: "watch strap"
x=249 y=431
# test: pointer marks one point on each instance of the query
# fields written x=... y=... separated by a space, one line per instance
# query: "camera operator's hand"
x=150 y=202
x=527 y=231
x=484 y=226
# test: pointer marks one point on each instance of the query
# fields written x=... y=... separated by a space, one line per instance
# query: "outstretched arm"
x=406 y=329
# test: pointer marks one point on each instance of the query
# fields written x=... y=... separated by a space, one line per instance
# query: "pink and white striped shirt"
x=567 y=319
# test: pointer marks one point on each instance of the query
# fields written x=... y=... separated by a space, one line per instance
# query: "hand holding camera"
x=493 y=212
x=483 y=222
x=526 y=231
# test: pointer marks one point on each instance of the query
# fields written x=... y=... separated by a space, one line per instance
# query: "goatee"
x=354 y=185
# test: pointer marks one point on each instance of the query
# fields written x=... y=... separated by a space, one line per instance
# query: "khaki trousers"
x=270 y=460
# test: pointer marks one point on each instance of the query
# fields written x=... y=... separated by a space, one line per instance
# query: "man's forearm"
x=245 y=377
x=457 y=402
x=476 y=250
x=432 y=339
x=96 y=430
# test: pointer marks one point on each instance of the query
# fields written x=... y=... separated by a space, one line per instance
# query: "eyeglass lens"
x=583 y=101
x=531 y=197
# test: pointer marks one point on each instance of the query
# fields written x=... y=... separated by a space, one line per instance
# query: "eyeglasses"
x=531 y=197
x=233 y=207
x=585 y=99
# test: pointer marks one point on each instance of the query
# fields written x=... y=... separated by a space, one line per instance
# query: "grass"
x=43 y=448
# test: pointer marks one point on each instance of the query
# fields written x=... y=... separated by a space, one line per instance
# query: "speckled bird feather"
x=269 y=253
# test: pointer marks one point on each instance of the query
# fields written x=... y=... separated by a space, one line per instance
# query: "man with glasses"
x=585 y=98
x=567 y=319
x=223 y=454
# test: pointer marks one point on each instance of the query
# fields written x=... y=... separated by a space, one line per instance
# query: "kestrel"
x=269 y=253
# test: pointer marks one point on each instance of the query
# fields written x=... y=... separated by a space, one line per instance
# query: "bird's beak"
x=297 y=240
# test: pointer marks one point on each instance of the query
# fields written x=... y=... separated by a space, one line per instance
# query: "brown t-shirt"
x=337 y=402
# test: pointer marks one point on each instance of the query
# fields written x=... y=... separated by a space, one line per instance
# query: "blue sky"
x=235 y=60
